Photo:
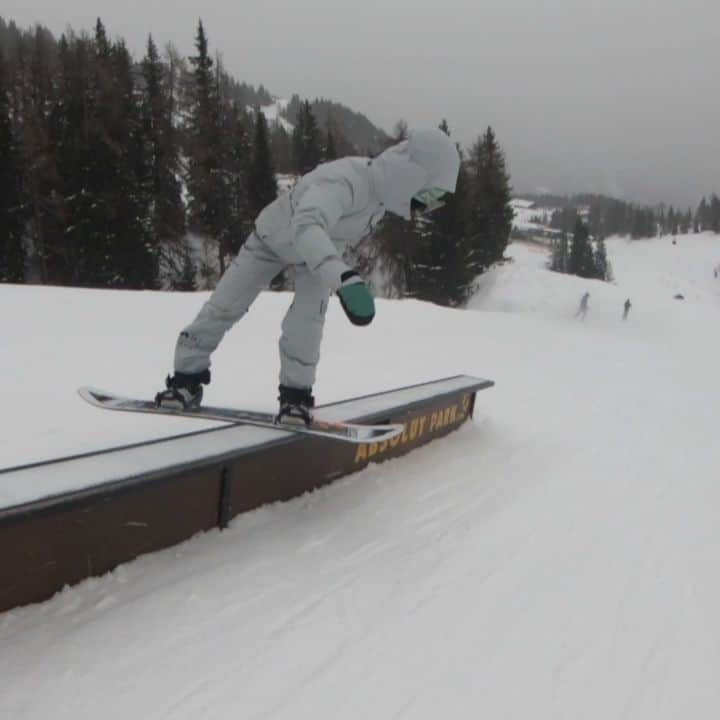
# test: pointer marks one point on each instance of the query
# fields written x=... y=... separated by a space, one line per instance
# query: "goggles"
x=430 y=199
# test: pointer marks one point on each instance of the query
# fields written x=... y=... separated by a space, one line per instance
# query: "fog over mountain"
x=610 y=97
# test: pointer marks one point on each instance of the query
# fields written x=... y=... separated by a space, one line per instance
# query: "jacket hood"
x=427 y=159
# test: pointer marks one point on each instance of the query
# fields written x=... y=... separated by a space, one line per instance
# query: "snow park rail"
x=119 y=503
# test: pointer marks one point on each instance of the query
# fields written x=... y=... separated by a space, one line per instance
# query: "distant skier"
x=583 y=307
x=626 y=308
x=307 y=229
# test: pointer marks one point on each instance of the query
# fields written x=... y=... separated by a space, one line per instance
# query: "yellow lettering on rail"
x=421 y=429
x=361 y=453
x=413 y=429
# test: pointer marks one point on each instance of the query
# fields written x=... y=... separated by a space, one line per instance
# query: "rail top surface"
x=32 y=483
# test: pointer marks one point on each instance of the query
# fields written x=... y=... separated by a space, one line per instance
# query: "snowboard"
x=347 y=432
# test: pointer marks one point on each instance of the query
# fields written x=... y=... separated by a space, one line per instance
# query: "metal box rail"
x=119 y=503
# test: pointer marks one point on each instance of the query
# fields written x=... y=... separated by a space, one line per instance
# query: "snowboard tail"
x=348 y=432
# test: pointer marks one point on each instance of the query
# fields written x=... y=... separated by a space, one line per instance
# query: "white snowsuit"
x=307 y=229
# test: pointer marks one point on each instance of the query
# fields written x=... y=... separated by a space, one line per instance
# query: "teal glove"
x=355 y=298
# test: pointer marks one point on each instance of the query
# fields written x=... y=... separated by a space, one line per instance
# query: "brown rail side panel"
x=61 y=541
x=274 y=474
x=46 y=550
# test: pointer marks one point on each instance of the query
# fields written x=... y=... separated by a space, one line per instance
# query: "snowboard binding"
x=183 y=390
x=295 y=406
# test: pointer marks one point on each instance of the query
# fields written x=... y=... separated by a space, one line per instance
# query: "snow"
x=272 y=114
x=555 y=558
x=521 y=203
x=529 y=218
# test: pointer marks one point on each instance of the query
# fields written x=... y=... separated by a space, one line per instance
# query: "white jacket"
x=340 y=202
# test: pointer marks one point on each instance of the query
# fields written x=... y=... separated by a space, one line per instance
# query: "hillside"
x=553 y=559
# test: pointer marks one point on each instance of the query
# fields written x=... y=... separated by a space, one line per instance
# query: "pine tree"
x=338 y=146
x=400 y=132
x=12 y=250
x=281 y=147
x=262 y=185
x=37 y=96
x=581 y=261
x=491 y=214
x=100 y=173
x=601 y=263
x=135 y=250
x=179 y=268
x=560 y=254
x=298 y=135
x=167 y=213
x=307 y=145
x=392 y=250
x=232 y=164
x=660 y=220
x=313 y=154
x=688 y=220
x=714 y=214
x=702 y=215
x=330 y=151
x=238 y=156
x=87 y=156
x=185 y=280
x=204 y=146
x=73 y=134
x=596 y=224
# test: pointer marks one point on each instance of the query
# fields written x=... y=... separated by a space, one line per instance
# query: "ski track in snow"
x=554 y=558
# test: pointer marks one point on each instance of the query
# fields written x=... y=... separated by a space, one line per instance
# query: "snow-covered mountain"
x=553 y=559
x=273 y=114
x=353 y=127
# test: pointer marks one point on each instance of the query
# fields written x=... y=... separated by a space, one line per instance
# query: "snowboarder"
x=626 y=308
x=307 y=229
x=583 y=307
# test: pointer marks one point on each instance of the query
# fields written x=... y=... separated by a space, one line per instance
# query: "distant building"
x=532 y=223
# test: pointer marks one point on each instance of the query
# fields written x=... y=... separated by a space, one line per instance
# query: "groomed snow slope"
x=557 y=558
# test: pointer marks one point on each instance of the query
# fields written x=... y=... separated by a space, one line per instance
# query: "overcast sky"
x=615 y=96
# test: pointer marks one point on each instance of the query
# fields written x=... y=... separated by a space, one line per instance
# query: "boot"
x=184 y=390
x=295 y=406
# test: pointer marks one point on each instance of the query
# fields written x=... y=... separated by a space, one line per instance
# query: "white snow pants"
x=249 y=273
